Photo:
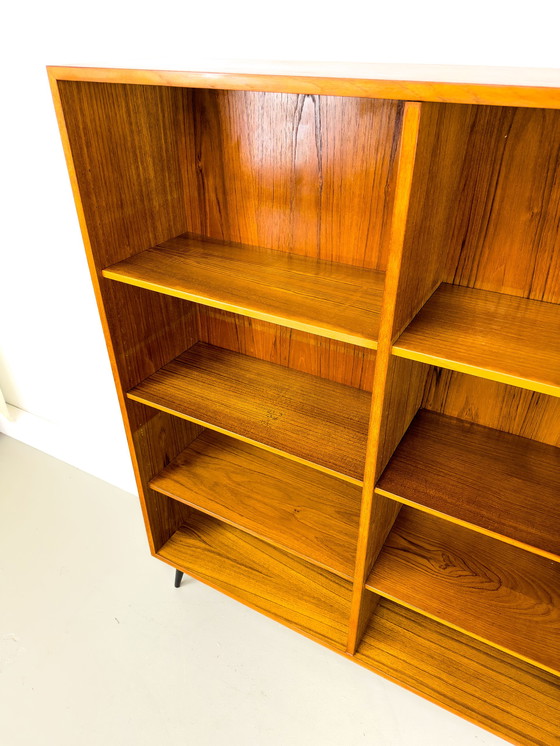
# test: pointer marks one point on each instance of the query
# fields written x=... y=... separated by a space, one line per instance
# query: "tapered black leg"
x=178 y=578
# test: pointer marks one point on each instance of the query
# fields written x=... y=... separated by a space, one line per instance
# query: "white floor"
x=98 y=648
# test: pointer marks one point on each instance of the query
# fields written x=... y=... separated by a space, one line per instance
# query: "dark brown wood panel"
x=310 y=419
x=493 y=404
x=326 y=358
x=308 y=513
x=503 y=694
x=493 y=482
x=332 y=300
x=505 y=235
x=312 y=600
x=298 y=173
x=496 y=592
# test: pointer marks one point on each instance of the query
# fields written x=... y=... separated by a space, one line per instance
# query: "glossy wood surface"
x=310 y=514
x=158 y=439
x=501 y=337
x=127 y=187
x=455 y=83
x=491 y=590
x=272 y=170
x=333 y=300
x=503 y=694
x=305 y=597
x=327 y=358
x=493 y=482
x=496 y=405
x=377 y=513
x=432 y=204
x=309 y=419
x=506 y=212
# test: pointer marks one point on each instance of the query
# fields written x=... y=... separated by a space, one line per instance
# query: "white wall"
x=54 y=369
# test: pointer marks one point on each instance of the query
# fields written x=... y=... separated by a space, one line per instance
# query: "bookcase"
x=332 y=308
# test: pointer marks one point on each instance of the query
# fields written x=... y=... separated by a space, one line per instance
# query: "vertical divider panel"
x=432 y=151
x=378 y=513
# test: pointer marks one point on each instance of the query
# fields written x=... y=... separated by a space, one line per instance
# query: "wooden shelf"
x=309 y=419
x=500 y=337
x=299 y=509
x=304 y=597
x=333 y=300
x=503 y=694
x=490 y=481
x=493 y=591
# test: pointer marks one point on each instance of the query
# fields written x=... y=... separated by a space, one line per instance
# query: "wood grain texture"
x=309 y=419
x=377 y=513
x=309 y=514
x=274 y=170
x=461 y=84
x=332 y=300
x=326 y=358
x=304 y=597
x=117 y=210
x=486 y=686
x=501 y=337
x=493 y=404
x=493 y=482
x=128 y=147
x=128 y=187
x=156 y=442
x=493 y=591
x=505 y=226
x=433 y=201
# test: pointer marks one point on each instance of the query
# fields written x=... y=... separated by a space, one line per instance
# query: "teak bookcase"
x=332 y=306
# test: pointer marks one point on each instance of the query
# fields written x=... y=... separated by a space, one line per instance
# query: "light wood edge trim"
x=473 y=370
x=406 y=158
x=471 y=526
x=236 y=436
x=53 y=81
x=400 y=90
x=464 y=631
x=240 y=527
x=303 y=326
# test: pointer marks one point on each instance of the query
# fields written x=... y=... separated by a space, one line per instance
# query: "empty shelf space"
x=310 y=514
x=309 y=419
x=500 y=337
x=333 y=300
x=503 y=694
x=493 y=482
x=490 y=590
x=307 y=598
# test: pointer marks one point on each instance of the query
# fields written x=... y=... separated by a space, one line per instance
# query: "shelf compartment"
x=484 y=685
x=303 y=417
x=333 y=300
x=499 y=484
x=493 y=591
x=304 y=597
x=501 y=337
x=310 y=514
